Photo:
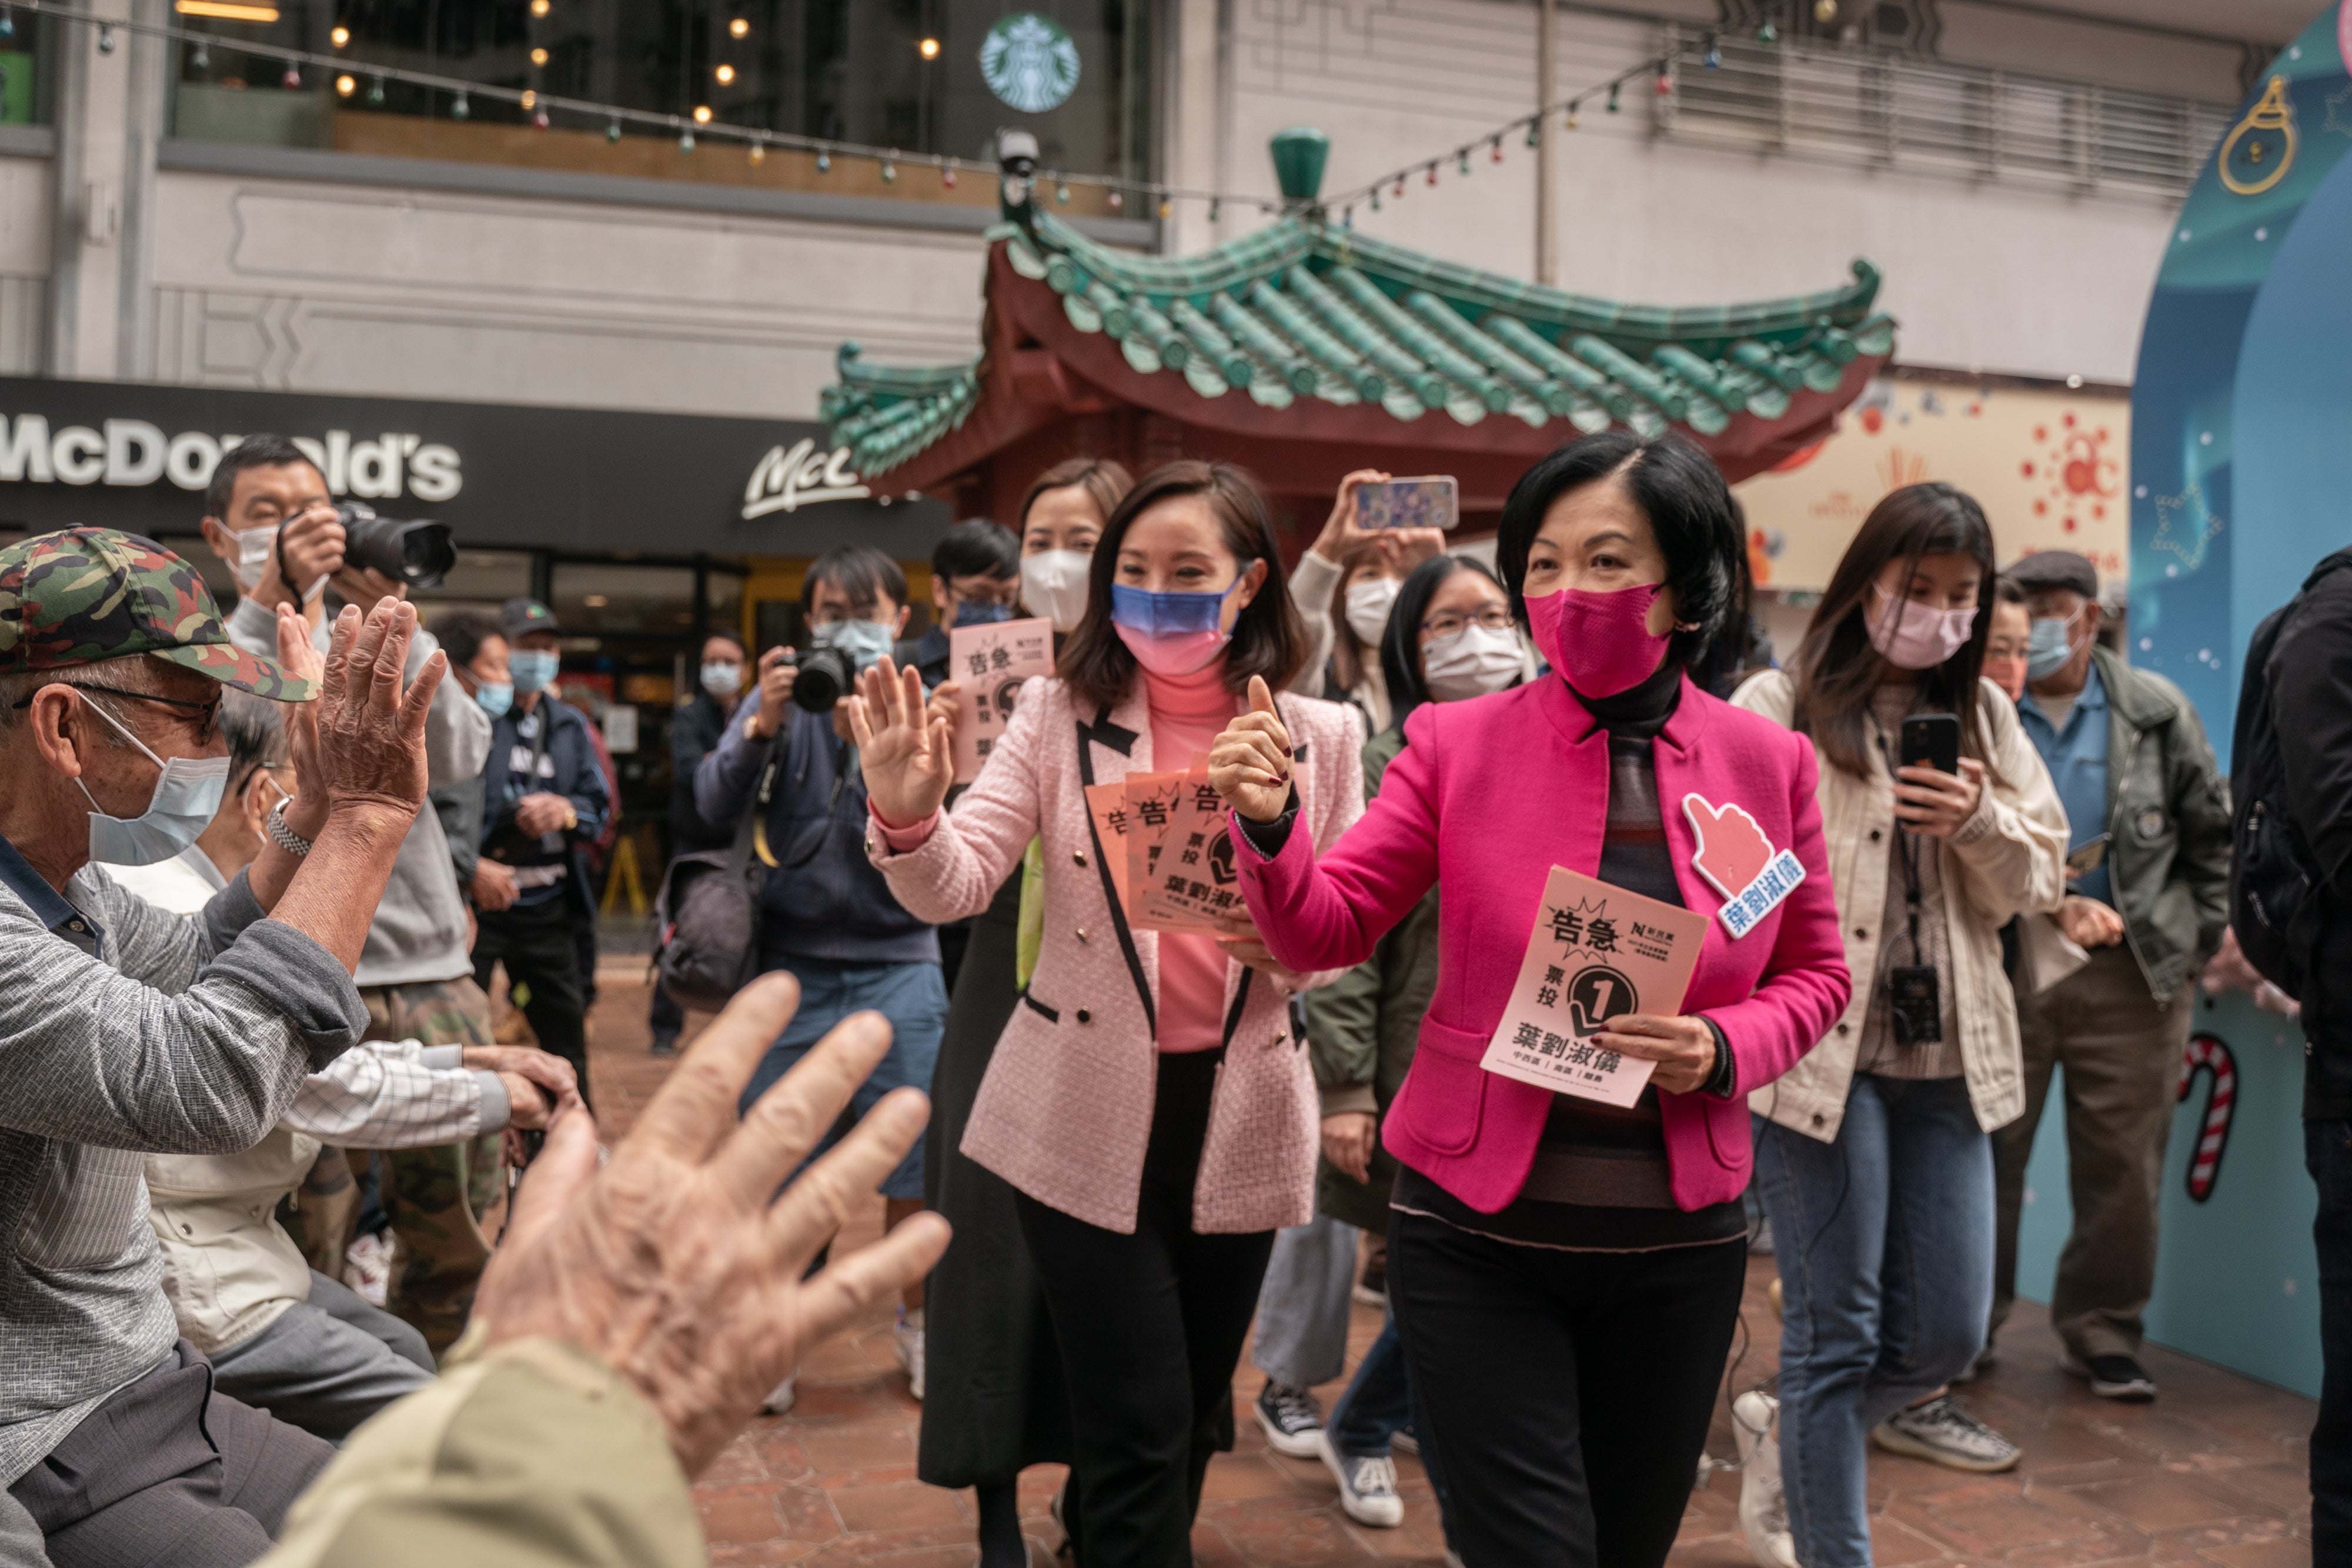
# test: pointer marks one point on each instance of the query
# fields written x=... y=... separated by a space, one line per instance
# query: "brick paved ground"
x=2213 y=1472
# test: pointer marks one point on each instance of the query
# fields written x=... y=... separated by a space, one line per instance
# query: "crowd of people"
x=260 y=871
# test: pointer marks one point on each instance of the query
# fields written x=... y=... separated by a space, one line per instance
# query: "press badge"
x=1741 y=863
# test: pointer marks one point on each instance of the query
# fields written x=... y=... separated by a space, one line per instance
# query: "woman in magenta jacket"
x=1557 y=1266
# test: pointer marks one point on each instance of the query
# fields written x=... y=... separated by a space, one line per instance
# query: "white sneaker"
x=906 y=1338
x=780 y=1398
x=1367 y=1485
x=1763 y=1510
x=1293 y=1422
x=1942 y=1433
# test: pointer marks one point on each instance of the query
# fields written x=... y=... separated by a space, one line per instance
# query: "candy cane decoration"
x=2212 y=1054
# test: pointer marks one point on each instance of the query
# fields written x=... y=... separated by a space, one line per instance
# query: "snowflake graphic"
x=2339 y=112
x=2184 y=527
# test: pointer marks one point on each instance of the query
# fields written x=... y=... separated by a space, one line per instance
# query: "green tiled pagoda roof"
x=1302 y=309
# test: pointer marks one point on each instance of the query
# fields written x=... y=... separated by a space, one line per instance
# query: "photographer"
x=269 y=516
x=544 y=800
x=826 y=913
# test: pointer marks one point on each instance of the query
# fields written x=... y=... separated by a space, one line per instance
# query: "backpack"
x=2272 y=872
x=707 y=914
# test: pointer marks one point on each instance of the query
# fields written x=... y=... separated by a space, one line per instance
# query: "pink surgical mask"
x=1173 y=653
x=1601 y=644
x=1911 y=636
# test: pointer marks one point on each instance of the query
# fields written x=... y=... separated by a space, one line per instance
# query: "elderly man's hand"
x=361 y=747
x=675 y=1264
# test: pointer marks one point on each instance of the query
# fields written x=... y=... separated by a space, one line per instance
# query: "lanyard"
x=1907 y=844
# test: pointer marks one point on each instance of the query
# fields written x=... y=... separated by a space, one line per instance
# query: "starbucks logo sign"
x=1029 y=62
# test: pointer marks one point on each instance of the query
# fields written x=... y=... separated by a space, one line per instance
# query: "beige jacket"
x=2006 y=859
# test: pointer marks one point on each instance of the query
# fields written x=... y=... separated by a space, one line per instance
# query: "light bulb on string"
x=461 y=109
x=686 y=139
x=106 y=38
x=758 y=153
x=1400 y=186
x=201 y=59
x=539 y=121
x=375 y=93
x=702 y=114
x=1615 y=88
x=1495 y=151
x=8 y=23
x=824 y=162
x=741 y=28
x=1535 y=131
x=341 y=36
x=530 y=98
x=1766 y=33
x=1571 y=112
x=1825 y=10
x=889 y=172
x=291 y=81
x=947 y=176
x=1713 y=59
x=929 y=49
x=538 y=56
x=1217 y=206
x=726 y=75
x=1665 y=82
x=613 y=129
x=1347 y=218
x=1376 y=198
x=1116 y=201
x=539 y=8
x=346 y=84
x=1061 y=193
x=1432 y=176
x=1464 y=157
x=1167 y=209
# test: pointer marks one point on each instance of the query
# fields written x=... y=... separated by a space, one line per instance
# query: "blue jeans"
x=1377 y=1404
x=1884 y=1239
x=2327 y=1156
x=911 y=995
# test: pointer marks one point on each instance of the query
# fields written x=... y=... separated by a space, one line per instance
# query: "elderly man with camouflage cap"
x=125 y=1030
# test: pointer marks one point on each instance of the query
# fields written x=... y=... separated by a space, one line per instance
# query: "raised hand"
x=1250 y=763
x=369 y=754
x=675 y=1264
x=1341 y=529
x=305 y=813
x=902 y=746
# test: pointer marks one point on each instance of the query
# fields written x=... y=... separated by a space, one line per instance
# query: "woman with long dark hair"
x=1565 y=1274
x=1875 y=1153
x=994 y=1403
x=1147 y=1101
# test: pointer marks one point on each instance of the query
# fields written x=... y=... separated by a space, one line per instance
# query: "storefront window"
x=28 y=68
x=922 y=77
x=482 y=579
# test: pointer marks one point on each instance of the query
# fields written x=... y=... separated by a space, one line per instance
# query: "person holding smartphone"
x=1873 y=1154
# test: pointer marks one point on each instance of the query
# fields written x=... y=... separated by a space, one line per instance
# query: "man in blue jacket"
x=543 y=803
x=826 y=913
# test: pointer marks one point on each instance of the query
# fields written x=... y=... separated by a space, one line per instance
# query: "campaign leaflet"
x=990 y=662
x=1106 y=804
x=1597 y=952
x=1192 y=879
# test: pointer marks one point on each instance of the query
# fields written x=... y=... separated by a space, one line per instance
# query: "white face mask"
x=184 y=803
x=254 y=548
x=1369 y=603
x=1054 y=584
x=1471 y=663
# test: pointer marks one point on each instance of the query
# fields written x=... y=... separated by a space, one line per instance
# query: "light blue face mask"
x=1170 y=613
x=494 y=697
x=187 y=798
x=534 y=669
x=2047 y=647
x=863 y=641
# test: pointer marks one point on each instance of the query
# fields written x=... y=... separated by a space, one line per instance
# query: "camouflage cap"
x=81 y=595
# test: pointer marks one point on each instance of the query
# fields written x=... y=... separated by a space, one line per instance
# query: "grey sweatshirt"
x=419 y=931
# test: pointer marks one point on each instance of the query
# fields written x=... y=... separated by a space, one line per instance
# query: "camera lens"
x=824 y=678
x=420 y=554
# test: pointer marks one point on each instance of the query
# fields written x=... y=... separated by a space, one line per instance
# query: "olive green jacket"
x=1361 y=1028
x=2168 y=826
x=535 y=1454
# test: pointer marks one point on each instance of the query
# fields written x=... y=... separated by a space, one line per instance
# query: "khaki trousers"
x=2122 y=1055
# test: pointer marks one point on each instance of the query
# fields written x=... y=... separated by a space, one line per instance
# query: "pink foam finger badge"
x=1740 y=863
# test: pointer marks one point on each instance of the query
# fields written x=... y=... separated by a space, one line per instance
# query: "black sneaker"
x=1293 y=1421
x=2115 y=1377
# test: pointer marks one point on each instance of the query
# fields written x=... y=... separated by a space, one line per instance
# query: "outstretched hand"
x=902 y=745
x=677 y=1264
x=1250 y=762
x=363 y=749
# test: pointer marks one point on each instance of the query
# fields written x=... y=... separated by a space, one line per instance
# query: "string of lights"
x=356 y=77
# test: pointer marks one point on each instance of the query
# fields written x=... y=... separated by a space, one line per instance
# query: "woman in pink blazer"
x=1559 y=1267
x=1147 y=1102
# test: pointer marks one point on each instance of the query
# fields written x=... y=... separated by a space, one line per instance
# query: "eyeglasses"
x=208 y=711
x=1494 y=619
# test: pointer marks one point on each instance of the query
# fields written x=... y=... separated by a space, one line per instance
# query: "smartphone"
x=1932 y=740
x=2085 y=858
x=1432 y=501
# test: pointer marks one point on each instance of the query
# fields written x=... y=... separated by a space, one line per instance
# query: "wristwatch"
x=284 y=837
x=570 y=817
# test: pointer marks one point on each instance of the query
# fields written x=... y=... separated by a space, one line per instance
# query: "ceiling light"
x=725 y=74
x=538 y=56
x=226 y=11
x=341 y=36
x=741 y=28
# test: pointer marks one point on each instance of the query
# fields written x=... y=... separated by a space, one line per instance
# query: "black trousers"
x=1516 y=1352
x=1150 y=1328
x=2327 y=1156
x=540 y=946
x=168 y=1471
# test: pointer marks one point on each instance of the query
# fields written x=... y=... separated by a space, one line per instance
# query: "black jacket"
x=928 y=653
x=568 y=768
x=694 y=732
x=2311 y=698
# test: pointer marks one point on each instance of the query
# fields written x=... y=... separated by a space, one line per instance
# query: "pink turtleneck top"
x=1187 y=712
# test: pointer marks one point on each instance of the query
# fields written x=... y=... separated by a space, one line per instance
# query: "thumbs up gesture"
x=1250 y=763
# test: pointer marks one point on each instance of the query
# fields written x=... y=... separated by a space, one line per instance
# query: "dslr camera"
x=419 y=554
x=826 y=675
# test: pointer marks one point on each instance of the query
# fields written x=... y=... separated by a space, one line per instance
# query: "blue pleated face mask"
x=1172 y=613
x=185 y=799
x=982 y=612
